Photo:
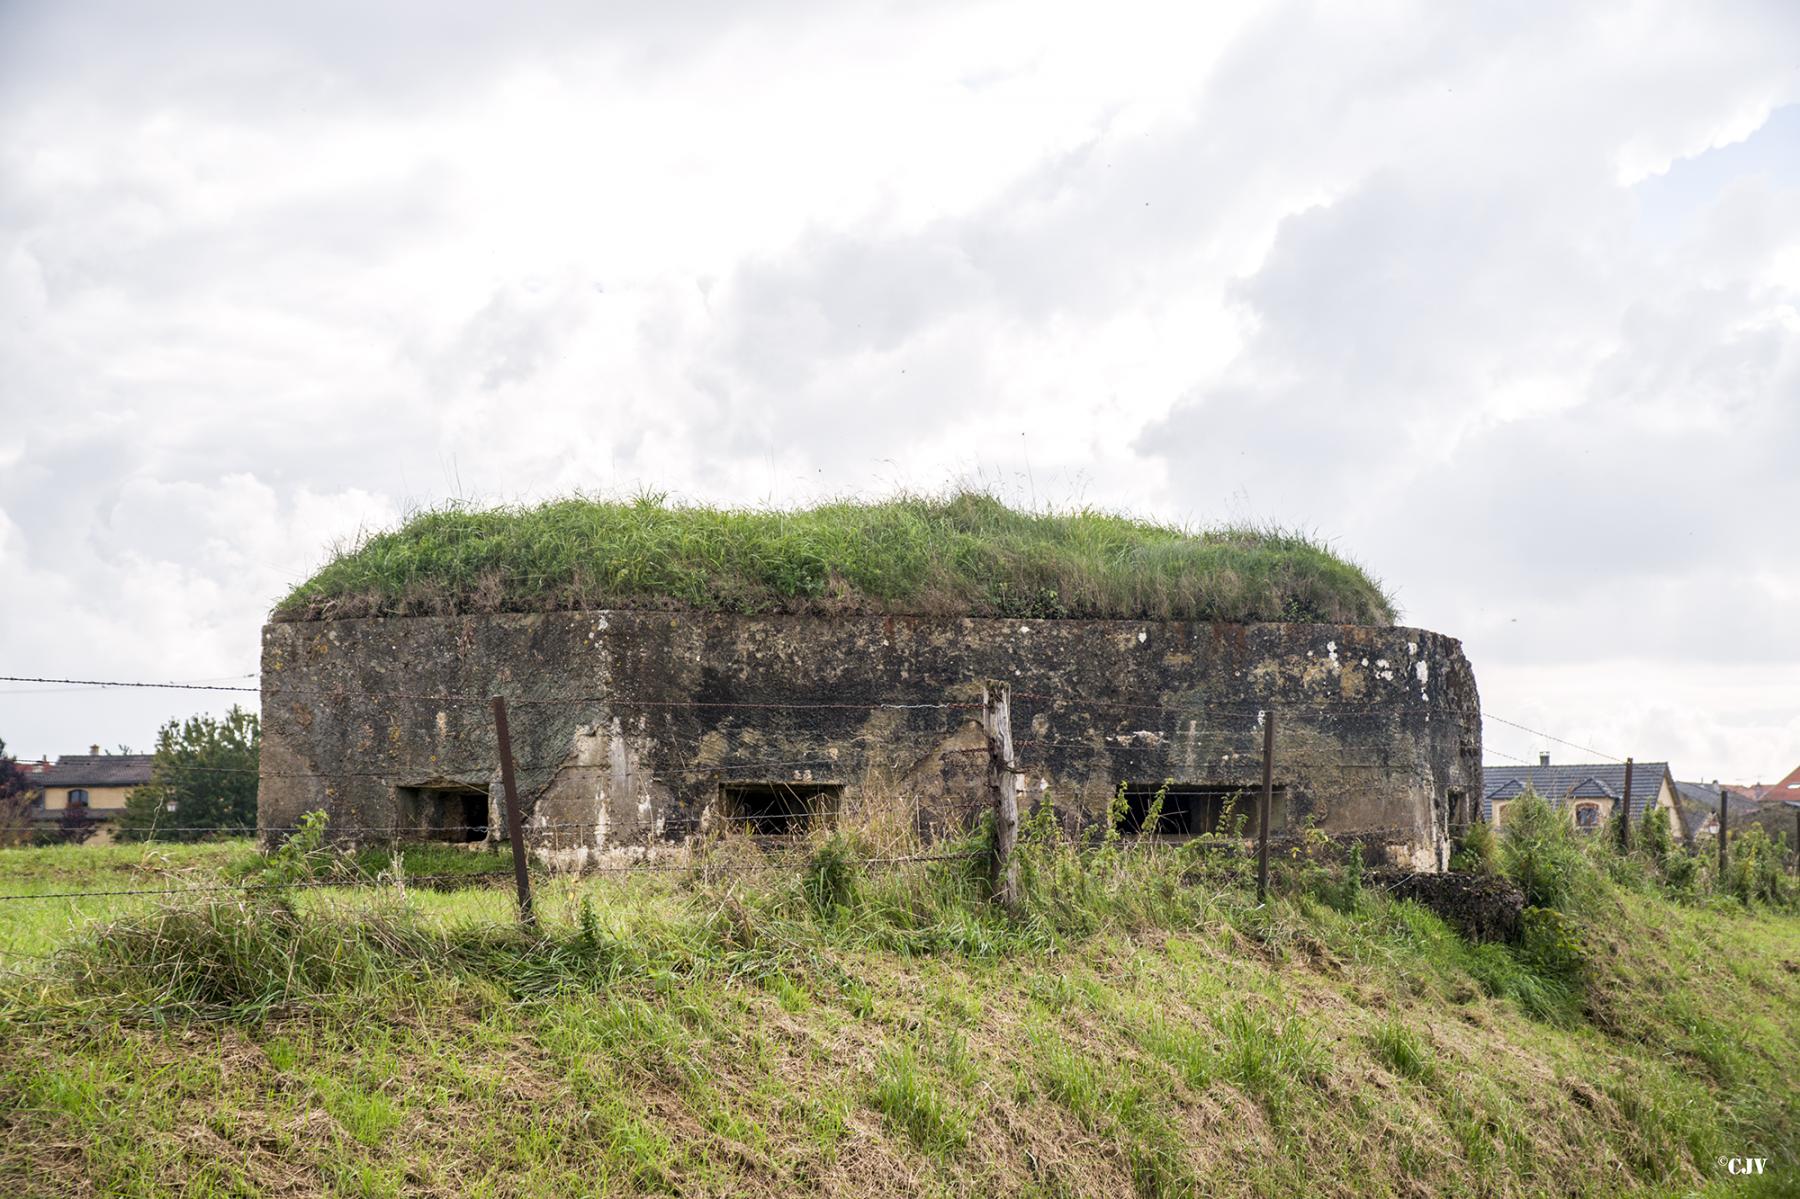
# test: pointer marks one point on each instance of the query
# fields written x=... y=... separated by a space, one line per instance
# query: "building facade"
x=93 y=785
x=1590 y=793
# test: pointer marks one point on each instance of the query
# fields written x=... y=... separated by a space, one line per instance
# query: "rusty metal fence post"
x=1268 y=794
x=515 y=829
x=1003 y=792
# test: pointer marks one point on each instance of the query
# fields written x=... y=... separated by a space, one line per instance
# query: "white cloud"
x=1505 y=300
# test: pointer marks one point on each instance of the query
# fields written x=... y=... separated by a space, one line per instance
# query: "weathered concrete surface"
x=626 y=724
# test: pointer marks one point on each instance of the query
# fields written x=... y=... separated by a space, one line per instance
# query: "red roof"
x=1787 y=788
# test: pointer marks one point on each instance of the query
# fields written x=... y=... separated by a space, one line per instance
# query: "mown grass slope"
x=965 y=554
x=1143 y=1028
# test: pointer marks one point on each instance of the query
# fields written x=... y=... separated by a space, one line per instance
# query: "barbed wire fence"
x=996 y=799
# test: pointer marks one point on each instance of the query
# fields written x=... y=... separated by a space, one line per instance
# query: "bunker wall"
x=629 y=727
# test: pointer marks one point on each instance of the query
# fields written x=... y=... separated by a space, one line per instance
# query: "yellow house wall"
x=1665 y=799
x=100 y=799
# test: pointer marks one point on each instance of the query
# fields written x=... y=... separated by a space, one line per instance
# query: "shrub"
x=1753 y=869
x=247 y=955
x=300 y=859
x=1551 y=947
x=1478 y=852
x=832 y=879
x=1681 y=874
x=1539 y=852
x=1654 y=840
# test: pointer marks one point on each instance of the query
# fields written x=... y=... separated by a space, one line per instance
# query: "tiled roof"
x=1706 y=796
x=1698 y=795
x=98 y=770
x=1590 y=780
x=1787 y=788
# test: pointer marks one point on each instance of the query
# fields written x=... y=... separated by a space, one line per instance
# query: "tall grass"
x=1142 y=1026
x=961 y=554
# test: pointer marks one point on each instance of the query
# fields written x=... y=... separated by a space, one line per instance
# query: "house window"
x=1587 y=816
x=452 y=812
x=78 y=798
x=778 y=809
x=1189 y=811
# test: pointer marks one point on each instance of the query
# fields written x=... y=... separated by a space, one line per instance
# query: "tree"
x=17 y=794
x=202 y=780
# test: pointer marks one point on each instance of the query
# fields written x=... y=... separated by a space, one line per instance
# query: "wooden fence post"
x=1625 y=812
x=514 y=826
x=1268 y=795
x=1724 y=807
x=1003 y=792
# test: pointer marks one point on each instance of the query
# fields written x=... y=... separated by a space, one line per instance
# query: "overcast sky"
x=1502 y=299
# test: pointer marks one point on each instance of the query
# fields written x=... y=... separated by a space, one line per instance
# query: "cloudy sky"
x=1502 y=299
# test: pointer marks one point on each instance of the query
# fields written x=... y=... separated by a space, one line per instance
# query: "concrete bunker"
x=634 y=730
x=675 y=671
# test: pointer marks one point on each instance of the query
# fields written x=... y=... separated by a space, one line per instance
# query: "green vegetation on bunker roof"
x=965 y=554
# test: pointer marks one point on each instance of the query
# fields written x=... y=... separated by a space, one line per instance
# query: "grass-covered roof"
x=964 y=554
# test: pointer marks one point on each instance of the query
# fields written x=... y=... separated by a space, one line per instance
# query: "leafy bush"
x=1682 y=872
x=17 y=795
x=1478 y=852
x=1754 y=870
x=1539 y=852
x=1552 y=947
x=203 y=778
x=1654 y=839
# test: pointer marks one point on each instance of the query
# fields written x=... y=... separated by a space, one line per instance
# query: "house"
x=1778 y=809
x=94 y=784
x=1589 y=791
x=1699 y=803
x=1788 y=789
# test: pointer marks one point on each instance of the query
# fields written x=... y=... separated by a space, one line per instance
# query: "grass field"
x=965 y=554
x=1141 y=1028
